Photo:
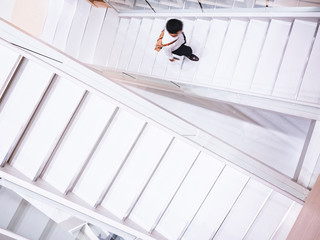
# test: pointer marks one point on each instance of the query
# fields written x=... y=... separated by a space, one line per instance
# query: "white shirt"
x=167 y=38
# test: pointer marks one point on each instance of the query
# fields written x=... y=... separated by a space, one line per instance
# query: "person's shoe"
x=193 y=57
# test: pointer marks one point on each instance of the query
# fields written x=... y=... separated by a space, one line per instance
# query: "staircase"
x=93 y=145
x=265 y=60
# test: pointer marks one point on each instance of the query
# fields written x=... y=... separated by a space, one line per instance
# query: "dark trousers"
x=183 y=50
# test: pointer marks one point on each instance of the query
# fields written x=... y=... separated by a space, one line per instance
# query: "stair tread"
x=77 y=28
x=64 y=24
x=230 y=52
x=140 y=45
x=249 y=55
x=106 y=38
x=271 y=56
x=91 y=34
x=130 y=41
x=119 y=42
x=294 y=60
x=310 y=88
x=210 y=56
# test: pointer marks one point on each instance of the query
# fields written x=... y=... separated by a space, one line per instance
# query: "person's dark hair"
x=174 y=26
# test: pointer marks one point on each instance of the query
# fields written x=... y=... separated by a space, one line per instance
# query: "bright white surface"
x=137 y=169
x=271 y=55
x=244 y=211
x=174 y=69
x=106 y=38
x=6 y=9
x=53 y=15
x=294 y=60
x=197 y=43
x=188 y=199
x=77 y=28
x=8 y=58
x=32 y=223
x=287 y=222
x=91 y=34
x=9 y=204
x=47 y=128
x=310 y=88
x=119 y=42
x=79 y=141
x=270 y=217
x=149 y=53
x=223 y=194
x=210 y=56
x=21 y=103
x=130 y=41
x=109 y=155
x=64 y=24
x=249 y=55
x=164 y=183
x=311 y=157
x=230 y=52
x=141 y=43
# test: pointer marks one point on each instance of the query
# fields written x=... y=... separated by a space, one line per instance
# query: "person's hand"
x=171 y=60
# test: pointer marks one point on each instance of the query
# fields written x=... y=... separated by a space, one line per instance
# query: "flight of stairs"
x=272 y=57
x=62 y=131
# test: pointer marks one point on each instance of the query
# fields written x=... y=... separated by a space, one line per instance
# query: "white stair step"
x=163 y=185
x=197 y=43
x=191 y=194
x=119 y=43
x=219 y=201
x=53 y=15
x=21 y=103
x=47 y=128
x=108 y=157
x=9 y=203
x=64 y=24
x=130 y=42
x=140 y=46
x=8 y=59
x=174 y=69
x=149 y=53
x=77 y=29
x=310 y=87
x=106 y=38
x=213 y=46
x=270 y=217
x=230 y=53
x=244 y=211
x=294 y=60
x=271 y=56
x=249 y=55
x=133 y=176
x=91 y=34
x=288 y=221
x=79 y=142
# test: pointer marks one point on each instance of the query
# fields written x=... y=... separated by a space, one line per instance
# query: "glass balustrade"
x=205 y=5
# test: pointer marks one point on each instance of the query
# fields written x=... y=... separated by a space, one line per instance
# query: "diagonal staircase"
x=95 y=146
x=265 y=59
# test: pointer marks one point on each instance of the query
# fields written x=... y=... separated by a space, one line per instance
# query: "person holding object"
x=172 y=40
